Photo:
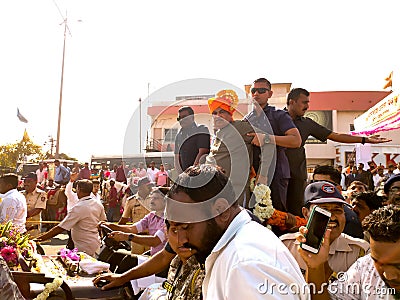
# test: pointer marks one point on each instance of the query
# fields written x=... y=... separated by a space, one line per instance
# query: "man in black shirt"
x=191 y=142
x=297 y=105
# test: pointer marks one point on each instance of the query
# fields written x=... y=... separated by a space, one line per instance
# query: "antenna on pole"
x=66 y=28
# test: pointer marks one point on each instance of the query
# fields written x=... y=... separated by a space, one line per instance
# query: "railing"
x=154 y=145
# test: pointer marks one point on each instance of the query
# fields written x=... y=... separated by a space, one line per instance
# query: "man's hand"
x=73 y=177
x=115 y=280
x=312 y=260
x=118 y=236
x=375 y=139
x=259 y=138
x=105 y=223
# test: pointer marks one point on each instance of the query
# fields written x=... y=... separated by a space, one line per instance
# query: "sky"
x=120 y=51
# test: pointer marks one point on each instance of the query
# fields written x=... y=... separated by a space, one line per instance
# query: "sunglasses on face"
x=181 y=118
x=259 y=90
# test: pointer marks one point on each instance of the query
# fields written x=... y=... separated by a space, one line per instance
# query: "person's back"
x=83 y=220
x=13 y=205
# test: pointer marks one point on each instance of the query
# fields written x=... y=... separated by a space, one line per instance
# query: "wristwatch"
x=267 y=138
x=130 y=237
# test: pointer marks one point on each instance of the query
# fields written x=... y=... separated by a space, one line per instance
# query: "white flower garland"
x=50 y=287
x=263 y=208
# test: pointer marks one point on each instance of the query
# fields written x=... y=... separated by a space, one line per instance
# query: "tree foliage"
x=10 y=154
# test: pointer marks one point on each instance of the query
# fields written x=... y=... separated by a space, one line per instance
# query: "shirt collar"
x=10 y=192
x=340 y=245
x=238 y=222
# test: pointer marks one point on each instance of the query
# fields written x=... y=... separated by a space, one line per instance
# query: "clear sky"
x=122 y=50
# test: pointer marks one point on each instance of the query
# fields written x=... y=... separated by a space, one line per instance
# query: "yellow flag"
x=388 y=81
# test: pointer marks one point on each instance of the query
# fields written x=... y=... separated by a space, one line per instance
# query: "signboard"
x=383 y=116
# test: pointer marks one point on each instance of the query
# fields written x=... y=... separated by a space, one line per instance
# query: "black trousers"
x=295 y=196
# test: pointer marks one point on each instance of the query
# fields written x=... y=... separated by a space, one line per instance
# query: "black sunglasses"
x=259 y=90
x=181 y=118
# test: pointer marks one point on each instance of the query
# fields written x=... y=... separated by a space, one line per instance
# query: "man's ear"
x=220 y=209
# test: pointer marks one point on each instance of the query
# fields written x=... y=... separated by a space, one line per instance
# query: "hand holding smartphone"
x=316 y=227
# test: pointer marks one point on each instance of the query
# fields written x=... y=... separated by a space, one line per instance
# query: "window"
x=169 y=134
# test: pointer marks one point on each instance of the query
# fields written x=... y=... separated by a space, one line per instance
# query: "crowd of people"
x=196 y=217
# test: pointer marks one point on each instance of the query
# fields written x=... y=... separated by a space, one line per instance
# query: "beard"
x=210 y=238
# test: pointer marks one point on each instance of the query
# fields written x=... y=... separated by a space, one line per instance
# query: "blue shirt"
x=276 y=122
x=61 y=174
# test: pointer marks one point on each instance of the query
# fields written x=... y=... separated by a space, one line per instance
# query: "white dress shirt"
x=13 y=208
x=360 y=282
x=250 y=262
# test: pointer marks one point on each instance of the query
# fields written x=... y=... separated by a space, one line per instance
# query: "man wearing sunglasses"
x=281 y=131
x=297 y=103
x=192 y=142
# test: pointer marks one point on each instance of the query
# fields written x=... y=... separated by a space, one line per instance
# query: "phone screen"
x=316 y=229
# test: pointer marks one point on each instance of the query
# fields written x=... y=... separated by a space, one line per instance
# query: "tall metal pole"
x=140 y=125
x=57 y=154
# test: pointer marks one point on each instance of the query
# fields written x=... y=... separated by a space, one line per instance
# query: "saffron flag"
x=21 y=117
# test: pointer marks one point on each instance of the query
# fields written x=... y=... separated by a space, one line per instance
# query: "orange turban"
x=225 y=99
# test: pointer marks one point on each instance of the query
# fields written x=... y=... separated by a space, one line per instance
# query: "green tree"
x=10 y=154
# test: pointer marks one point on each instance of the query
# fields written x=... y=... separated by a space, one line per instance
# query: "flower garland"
x=71 y=254
x=263 y=208
x=50 y=287
x=13 y=243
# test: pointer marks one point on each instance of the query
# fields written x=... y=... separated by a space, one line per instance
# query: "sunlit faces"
x=337 y=221
x=394 y=193
x=386 y=256
x=29 y=185
x=157 y=201
x=96 y=188
x=221 y=118
x=299 y=106
x=185 y=119
x=173 y=238
x=200 y=236
x=261 y=99
x=360 y=208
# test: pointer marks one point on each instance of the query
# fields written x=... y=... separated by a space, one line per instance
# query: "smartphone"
x=316 y=225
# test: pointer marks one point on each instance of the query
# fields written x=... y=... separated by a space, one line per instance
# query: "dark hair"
x=263 y=80
x=85 y=185
x=294 y=94
x=10 y=178
x=371 y=199
x=95 y=181
x=383 y=224
x=186 y=108
x=204 y=182
x=359 y=183
x=333 y=174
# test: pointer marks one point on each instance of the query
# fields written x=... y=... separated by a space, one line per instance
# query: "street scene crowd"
x=226 y=220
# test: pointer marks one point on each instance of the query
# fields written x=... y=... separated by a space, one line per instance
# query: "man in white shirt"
x=82 y=220
x=374 y=276
x=13 y=205
x=152 y=171
x=243 y=259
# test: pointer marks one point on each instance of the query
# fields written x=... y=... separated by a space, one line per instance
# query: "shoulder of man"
x=203 y=128
x=352 y=241
x=38 y=190
x=42 y=195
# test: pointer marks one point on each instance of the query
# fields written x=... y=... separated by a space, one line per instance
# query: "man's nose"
x=182 y=237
